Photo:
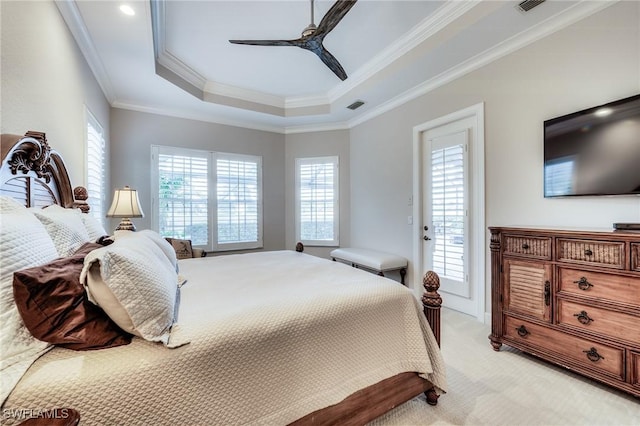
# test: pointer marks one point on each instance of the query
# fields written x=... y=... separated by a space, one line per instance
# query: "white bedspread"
x=274 y=336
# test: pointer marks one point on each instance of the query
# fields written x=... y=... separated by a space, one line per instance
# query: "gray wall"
x=46 y=82
x=133 y=133
x=591 y=62
x=318 y=144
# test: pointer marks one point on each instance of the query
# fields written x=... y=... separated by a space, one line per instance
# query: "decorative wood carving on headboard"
x=35 y=174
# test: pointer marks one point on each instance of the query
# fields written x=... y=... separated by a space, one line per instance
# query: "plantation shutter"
x=239 y=204
x=183 y=195
x=448 y=211
x=96 y=168
x=317 y=200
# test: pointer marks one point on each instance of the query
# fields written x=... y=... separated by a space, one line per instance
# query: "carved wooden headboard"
x=35 y=175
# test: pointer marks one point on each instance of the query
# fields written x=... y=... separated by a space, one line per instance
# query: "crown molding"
x=207 y=118
x=70 y=13
x=72 y=17
x=304 y=105
x=431 y=25
x=547 y=27
x=177 y=113
x=244 y=94
x=321 y=127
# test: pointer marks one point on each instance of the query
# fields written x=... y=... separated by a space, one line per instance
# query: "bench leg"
x=381 y=274
x=403 y=272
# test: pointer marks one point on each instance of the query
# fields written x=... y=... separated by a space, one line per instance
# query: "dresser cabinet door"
x=527 y=288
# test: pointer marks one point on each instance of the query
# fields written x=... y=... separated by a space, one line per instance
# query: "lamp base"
x=126 y=225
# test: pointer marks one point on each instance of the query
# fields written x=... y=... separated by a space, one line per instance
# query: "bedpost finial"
x=432 y=302
x=299 y=247
x=80 y=195
x=431 y=283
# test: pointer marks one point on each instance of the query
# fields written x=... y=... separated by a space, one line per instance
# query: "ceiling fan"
x=313 y=36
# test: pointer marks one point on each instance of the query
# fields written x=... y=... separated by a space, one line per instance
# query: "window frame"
x=335 y=161
x=212 y=197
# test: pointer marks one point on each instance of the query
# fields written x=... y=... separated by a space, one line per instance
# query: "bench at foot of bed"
x=374 y=260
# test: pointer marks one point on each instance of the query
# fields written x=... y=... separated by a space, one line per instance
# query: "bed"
x=267 y=338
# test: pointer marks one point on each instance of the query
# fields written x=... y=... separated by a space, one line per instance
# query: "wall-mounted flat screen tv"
x=594 y=152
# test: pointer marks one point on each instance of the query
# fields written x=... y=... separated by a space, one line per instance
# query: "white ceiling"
x=173 y=56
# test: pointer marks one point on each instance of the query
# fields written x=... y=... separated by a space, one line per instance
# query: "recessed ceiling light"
x=603 y=112
x=127 y=10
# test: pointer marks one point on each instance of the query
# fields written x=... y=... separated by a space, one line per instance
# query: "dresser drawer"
x=590 y=252
x=613 y=324
x=598 y=285
x=534 y=247
x=635 y=256
x=602 y=358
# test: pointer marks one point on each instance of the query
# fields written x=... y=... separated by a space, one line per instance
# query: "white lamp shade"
x=125 y=204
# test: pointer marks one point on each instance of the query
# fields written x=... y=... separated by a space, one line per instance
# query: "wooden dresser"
x=570 y=297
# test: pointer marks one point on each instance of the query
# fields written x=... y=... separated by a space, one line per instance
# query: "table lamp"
x=125 y=205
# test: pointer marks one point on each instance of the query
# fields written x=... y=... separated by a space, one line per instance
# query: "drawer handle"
x=522 y=331
x=547 y=293
x=588 y=252
x=583 y=317
x=583 y=284
x=525 y=246
x=593 y=355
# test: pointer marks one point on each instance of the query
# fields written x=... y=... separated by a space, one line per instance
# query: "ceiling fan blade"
x=330 y=61
x=268 y=42
x=334 y=16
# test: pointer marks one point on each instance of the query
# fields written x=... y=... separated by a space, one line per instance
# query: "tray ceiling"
x=174 y=57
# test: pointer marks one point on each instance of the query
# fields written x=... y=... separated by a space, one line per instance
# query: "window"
x=449 y=210
x=183 y=195
x=317 y=210
x=237 y=198
x=95 y=168
x=214 y=199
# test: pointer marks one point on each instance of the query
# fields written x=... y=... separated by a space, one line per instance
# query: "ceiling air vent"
x=527 y=5
x=355 y=105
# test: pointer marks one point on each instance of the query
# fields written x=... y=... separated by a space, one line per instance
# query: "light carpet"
x=509 y=388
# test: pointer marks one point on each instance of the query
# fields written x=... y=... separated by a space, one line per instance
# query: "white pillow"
x=24 y=243
x=93 y=227
x=163 y=244
x=135 y=284
x=8 y=204
x=65 y=228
